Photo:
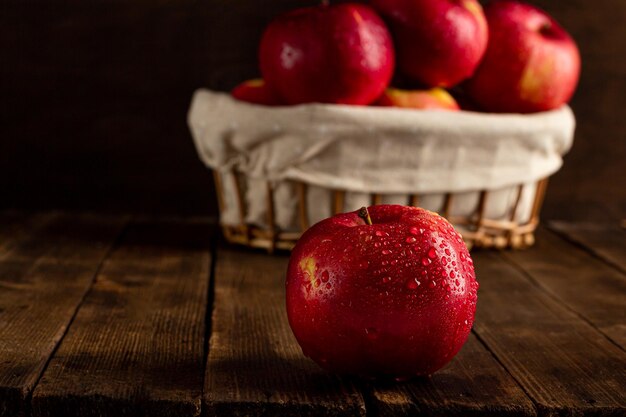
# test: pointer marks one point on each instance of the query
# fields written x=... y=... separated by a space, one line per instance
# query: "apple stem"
x=365 y=215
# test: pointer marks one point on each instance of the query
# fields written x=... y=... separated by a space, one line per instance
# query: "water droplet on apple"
x=386 y=280
x=328 y=286
x=379 y=233
x=432 y=284
x=412 y=284
x=452 y=274
x=386 y=251
x=432 y=253
x=456 y=282
x=410 y=239
x=325 y=276
x=372 y=333
x=414 y=231
x=377 y=245
x=393 y=262
x=426 y=261
x=384 y=263
x=447 y=251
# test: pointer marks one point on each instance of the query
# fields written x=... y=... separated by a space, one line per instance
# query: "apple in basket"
x=435 y=98
x=329 y=54
x=438 y=42
x=531 y=64
x=389 y=292
x=255 y=91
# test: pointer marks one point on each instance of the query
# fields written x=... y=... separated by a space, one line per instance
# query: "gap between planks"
x=552 y=354
x=136 y=346
x=255 y=366
x=579 y=281
x=604 y=241
x=68 y=249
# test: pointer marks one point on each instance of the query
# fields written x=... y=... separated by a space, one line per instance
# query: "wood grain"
x=579 y=280
x=136 y=347
x=565 y=365
x=473 y=384
x=15 y=226
x=255 y=366
x=607 y=242
x=44 y=275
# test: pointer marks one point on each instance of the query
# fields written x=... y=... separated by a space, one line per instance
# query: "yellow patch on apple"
x=532 y=84
x=308 y=266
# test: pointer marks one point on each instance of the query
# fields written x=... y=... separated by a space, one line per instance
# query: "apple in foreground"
x=255 y=91
x=435 y=98
x=340 y=54
x=438 y=42
x=384 y=292
x=532 y=64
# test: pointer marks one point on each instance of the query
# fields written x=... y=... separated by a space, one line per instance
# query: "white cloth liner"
x=390 y=151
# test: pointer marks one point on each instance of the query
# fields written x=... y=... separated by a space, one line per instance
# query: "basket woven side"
x=477 y=229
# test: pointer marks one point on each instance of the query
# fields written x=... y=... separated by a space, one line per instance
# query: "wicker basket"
x=279 y=170
x=477 y=229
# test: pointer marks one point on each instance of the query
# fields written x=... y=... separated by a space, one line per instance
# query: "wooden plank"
x=473 y=384
x=16 y=226
x=40 y=290
x=607 y=242
x=579 y=280
x=136 y=346
x=255 y=366
x=565 y=365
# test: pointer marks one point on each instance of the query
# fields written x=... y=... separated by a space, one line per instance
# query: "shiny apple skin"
x=439 y=43
x=532 y=64
x=255 y=91
x=433 y=99
x=340 y=54
x=393 y=299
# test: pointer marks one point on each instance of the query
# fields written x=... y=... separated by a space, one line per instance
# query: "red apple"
x=392 y=298
x=435 y=98
x=255 y=91
x=531 y=64
x=329 y=54
x=438 y=42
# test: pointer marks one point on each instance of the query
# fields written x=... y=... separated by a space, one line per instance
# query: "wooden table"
x=114 y=316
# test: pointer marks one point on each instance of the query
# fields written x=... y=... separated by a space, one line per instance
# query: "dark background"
x=94 y=95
